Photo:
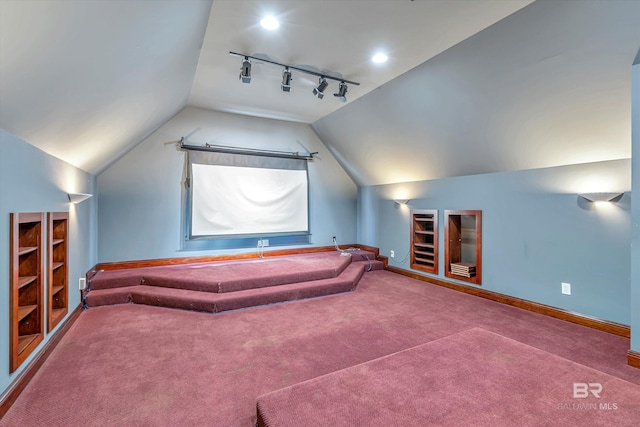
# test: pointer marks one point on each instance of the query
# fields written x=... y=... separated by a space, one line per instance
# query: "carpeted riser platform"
x=234 y=276
x=475 y=377
x=232 y=285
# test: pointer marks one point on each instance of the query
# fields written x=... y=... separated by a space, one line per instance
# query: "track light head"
x=286 y=80
x=342 y=92
x=319 y=90
x=245 y=70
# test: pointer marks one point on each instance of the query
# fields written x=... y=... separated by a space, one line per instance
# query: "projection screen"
x=243 y=196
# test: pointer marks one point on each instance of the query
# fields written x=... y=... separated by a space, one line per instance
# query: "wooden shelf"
x=26 y=326
x=24 y=341
x=25 y=280
x=423 y=253
x=58 y=254
x=423 y=245
x=424 y=240
x=58 y=313
x=25 y=310
x=24 y=250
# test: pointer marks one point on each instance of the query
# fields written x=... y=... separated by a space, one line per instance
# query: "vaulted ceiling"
x=471 y=86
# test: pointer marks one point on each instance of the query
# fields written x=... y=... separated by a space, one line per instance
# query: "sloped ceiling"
x=337 y=38
x=472 y=86
x=550 y=85
x=86 y=80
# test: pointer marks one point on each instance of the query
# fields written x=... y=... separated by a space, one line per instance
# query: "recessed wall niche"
x=26 y=326
x=463 y=245
x=424 y=240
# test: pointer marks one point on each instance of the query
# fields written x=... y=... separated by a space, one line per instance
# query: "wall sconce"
x=76 y=198
x=400 y=202
x=601 y=197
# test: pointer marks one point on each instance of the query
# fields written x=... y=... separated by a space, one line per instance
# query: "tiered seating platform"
x=228 y=285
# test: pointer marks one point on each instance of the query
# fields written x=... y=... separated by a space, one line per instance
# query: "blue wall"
x=140 y=195
x=33 y=181
x=536 y=232
x=635 y=208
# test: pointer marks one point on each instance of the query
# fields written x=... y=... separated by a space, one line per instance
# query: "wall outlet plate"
x=566 y=288
x=392 y=254
x=82 y=283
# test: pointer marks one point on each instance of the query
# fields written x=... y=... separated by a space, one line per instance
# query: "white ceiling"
x=326 y=36
x=471 y=86
x=85 y=81
x=550 y=85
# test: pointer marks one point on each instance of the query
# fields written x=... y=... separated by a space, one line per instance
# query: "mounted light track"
x=245 y=76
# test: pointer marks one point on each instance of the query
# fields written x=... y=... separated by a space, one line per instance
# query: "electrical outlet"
x=392 y=254
x=82 y=283
x=265 y=242
x=566 y=288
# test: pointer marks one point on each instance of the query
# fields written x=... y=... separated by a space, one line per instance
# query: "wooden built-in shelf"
x=24 y=342
x=26 y=249
x=57 y=267
x=58 y=313
x=463 y=245
x=25 y=310
x=424 y=240
x=24 y=281
x=26 y=327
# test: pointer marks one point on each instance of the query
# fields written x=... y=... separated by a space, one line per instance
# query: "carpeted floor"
x=147 y=366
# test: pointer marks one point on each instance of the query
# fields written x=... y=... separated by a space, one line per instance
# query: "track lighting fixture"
x=245 y=71
x=319 y=90
x=342 y=92
x=286 y=80
x=245 y=76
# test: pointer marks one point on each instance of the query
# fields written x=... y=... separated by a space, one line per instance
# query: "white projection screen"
x=234 y=196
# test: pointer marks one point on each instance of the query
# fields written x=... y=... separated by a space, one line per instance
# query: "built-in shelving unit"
x=57 y=267
x=27 y=287
x=463 y=245
x=424 y=240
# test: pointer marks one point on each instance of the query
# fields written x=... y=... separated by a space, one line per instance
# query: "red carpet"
x=470 y=378
x=137 y=365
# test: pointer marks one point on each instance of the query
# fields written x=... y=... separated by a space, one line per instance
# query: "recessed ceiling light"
x=379 y=58
x=270 y=23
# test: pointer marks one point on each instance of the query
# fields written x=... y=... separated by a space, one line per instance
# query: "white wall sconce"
x=401 y=202
x=601 y=197
x=76 y=198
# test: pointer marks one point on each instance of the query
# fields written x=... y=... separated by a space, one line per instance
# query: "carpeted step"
x=217 y=302
x=109 y=296
x=229 y=276
x=347 y=281
x=374 y=265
